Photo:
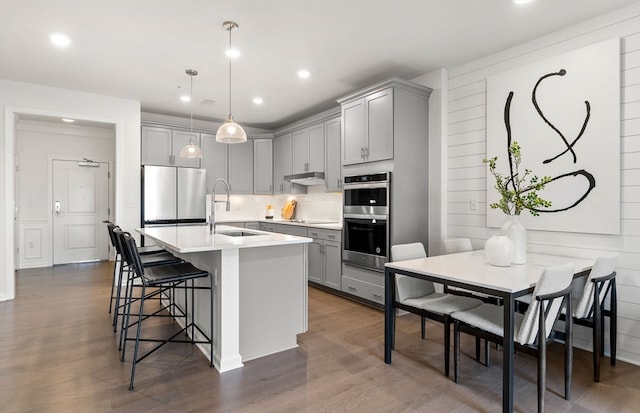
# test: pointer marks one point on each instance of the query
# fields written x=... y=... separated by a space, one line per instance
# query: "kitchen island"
x=260 y=283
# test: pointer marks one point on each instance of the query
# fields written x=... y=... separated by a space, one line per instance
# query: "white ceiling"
x=139 y=49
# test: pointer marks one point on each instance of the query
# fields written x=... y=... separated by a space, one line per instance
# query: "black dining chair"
x=532 y=331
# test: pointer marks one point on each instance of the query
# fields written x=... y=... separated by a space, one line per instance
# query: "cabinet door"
x=156 y=146
x=315 y=162
x=287 y=160
x=379 y=125
x=332 y=264
x=278 y=166
x=353 y=132
x=262 y=166
x=214 y=159
x=332 y=172
x=300 y=151
x=241 y=167
x=179 y=140
x=316 y=261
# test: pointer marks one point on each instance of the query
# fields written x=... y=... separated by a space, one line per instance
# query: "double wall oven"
x=366 y=220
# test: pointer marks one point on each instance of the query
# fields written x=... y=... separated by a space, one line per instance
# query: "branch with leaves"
x=516 y=194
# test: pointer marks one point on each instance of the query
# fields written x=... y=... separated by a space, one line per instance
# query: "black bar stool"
x=153 y=249
x=148 y=260
x=155 y=281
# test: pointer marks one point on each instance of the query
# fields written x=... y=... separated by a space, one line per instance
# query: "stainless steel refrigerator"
x=173 y=195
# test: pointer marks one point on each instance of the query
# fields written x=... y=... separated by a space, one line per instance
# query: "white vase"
x=499 y=250
x=517 y=233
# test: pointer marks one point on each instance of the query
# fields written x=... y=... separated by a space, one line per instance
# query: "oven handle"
x=367 y=217
x=366 y=186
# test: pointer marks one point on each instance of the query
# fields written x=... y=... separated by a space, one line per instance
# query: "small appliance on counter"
x=269 y=212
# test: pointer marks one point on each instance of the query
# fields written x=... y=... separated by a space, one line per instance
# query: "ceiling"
x=140 y=49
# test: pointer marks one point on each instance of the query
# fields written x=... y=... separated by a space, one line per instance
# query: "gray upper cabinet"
x=161 y=146
x=241 y=167
x=378 y=120
x=214 y=159
x=263 y=166
x=332 y=172
x=368 y=128
x=308 y=149
x=282 y=163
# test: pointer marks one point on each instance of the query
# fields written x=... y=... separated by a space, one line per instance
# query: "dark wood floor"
x=58 y=354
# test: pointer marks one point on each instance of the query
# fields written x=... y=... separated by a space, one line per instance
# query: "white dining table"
x=472 y=271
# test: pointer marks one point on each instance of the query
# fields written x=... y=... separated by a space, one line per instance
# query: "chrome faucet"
x=212 y=217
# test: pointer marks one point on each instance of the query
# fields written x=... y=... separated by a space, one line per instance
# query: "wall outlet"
x=473 y=204
x=131 y=203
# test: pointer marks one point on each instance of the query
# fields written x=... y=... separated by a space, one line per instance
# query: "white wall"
x=16 y=97
x=36 y=142
x=467 y=175
x=436 y=80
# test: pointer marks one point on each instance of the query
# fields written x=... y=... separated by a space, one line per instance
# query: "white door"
x=80 y=204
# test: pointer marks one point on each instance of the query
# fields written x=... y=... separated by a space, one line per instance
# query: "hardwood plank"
x=58 y=353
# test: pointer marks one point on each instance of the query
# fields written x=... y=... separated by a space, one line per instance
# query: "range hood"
x=306 y=178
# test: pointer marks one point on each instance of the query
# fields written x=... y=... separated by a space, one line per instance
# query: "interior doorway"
x=80 y=205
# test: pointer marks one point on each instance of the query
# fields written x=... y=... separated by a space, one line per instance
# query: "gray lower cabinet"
x=325 y=257
x=267 y=226
x=363 y=283
x=252 y=225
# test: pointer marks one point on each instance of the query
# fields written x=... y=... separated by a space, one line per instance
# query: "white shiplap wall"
x=466 y=138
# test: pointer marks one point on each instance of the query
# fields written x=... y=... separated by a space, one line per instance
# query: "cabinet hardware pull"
x=377 y=295
x=352 y=288
x=362 y=152
x=366 y=151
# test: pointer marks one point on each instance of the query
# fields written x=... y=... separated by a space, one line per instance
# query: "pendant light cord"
x=229 y=57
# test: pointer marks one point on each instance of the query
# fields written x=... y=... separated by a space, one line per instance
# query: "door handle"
x=57 y=207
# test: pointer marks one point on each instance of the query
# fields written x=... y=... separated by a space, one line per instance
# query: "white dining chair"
x=419 y=296
x=590 y=312
x=532 y=330
x=457 y=245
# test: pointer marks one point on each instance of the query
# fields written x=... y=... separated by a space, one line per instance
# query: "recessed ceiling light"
x=185 y=98
x=67 y=120
x=60 y=39
x=257 y=100
x=303 y=74
x=232 y=53
x=521 y=1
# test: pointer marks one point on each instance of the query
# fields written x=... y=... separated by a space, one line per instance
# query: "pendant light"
x=191 y=150
x=229 y=131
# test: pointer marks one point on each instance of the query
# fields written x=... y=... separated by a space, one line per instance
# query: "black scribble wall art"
x=565 y=113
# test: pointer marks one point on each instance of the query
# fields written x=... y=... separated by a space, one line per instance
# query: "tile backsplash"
x=314 y=205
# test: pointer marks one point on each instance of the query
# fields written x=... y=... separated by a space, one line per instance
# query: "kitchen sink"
x=236 y=233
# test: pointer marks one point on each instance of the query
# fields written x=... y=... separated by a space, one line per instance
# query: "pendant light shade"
x=229 y=131
x=191 y=150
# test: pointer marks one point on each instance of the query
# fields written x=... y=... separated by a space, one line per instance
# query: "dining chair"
x=590 y=312
x=590 y=309
x=457 y=245
x=419 y=297
x=532 y=331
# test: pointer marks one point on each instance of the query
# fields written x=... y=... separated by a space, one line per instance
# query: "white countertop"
x=305 y=223
x=197 y=238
